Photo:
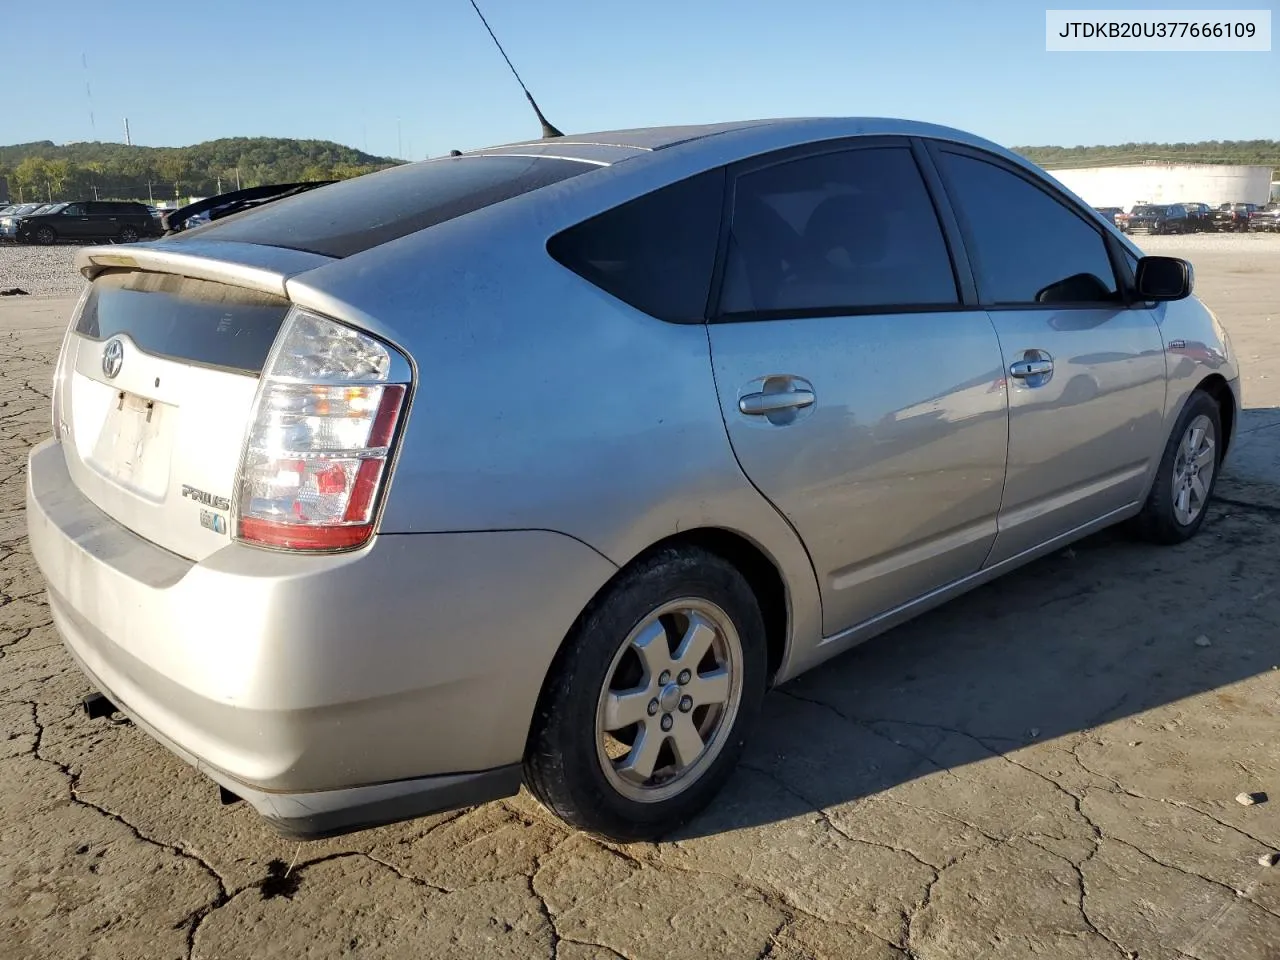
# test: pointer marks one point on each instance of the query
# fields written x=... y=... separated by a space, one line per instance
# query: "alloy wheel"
x=669 y=700
x=1193 y=468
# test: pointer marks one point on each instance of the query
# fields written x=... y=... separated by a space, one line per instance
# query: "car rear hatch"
x=157 y=378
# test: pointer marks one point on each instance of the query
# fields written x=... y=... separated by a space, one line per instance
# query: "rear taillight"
x=319 y=445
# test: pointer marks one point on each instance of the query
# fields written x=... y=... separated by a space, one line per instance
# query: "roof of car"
x=611 y=146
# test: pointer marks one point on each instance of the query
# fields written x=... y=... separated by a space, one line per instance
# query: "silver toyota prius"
x=542 y=463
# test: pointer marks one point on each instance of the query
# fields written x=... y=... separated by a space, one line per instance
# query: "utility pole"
x=399 y=141
x=95 y=191
x=150 y=199
x=237 y=178
x=128 y=140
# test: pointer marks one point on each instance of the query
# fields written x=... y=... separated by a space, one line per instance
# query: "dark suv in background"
x=1161 y=218
x=88 y=221
x=1233 y=217
x=1199 y=216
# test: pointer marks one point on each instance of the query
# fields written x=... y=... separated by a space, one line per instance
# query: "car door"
x=73 y=222
x=102 y=220
x=860 y=395
x=1086 y=366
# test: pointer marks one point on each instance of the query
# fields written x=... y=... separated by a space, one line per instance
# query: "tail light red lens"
x=317 y=451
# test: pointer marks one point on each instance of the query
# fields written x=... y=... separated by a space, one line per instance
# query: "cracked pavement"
x=1045 y=767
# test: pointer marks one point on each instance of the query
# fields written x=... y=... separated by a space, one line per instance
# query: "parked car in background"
x=544 y=462
x=1153 y=218
x=1233 y=217
x=1110 y=212
x=1199 y=216
x=9 y=218
x=1266 y=220
x=87 y=221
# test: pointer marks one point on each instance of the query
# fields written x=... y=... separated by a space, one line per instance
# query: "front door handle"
x=1022 y=369
x=763 y=404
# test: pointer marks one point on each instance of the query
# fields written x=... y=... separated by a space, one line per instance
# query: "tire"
x=128 y=234
x=1167 y=517
x=46 y=236
x=577 y=770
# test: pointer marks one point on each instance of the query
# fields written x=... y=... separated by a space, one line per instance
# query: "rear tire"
x=630 y=740
x=1183 y=487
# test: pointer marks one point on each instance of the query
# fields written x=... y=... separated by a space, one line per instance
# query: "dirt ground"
x=1047 y=767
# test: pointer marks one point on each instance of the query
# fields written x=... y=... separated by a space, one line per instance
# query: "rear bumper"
x=331 y=692
x=314 y=815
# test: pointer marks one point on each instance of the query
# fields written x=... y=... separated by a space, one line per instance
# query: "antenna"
x=548 y=130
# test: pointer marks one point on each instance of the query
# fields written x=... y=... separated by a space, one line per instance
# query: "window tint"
x=344 y=218
x=71 y=210
x=655 y=252
x=837 y=232
x=1025 y=246
x=184 y=319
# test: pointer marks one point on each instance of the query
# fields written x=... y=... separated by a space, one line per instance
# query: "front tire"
x=645 y=709
x=1180 y=495
x=46 y=236
x=128 y=235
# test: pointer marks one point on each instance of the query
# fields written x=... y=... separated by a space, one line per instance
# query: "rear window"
x=655 y=252
x=180 y=318
x=354 y=215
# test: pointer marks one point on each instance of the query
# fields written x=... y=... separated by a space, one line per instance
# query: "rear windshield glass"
x=194 y=321
x=354 y=215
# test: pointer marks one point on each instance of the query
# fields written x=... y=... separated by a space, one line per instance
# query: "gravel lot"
x=1046 y=767
x=41 y=271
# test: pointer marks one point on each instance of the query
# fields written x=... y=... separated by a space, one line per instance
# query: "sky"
x=416 y=78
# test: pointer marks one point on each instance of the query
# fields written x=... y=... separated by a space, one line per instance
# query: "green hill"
x=38 y=171
x=1263 y=152
x=43 y=170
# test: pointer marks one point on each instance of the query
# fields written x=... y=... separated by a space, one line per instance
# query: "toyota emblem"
x=112 y=358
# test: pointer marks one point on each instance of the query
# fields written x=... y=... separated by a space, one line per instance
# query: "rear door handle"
x=762 y=404
x=1030 y=368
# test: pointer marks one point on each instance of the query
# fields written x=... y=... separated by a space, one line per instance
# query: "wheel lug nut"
x=653 y=706
x=664 y=678
x=686 y=703
x=684 y=677
x=667 y=721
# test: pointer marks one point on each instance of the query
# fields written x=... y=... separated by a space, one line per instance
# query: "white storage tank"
x=1129 y=184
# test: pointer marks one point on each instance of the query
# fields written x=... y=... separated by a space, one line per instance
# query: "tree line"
x=77 y=171
x=1261 y=152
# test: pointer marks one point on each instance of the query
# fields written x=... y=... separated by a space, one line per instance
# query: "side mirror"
x=1164 y=278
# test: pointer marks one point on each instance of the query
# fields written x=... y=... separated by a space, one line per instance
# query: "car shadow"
x=1108 y=628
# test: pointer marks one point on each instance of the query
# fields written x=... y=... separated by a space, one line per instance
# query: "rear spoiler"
x=247 y=265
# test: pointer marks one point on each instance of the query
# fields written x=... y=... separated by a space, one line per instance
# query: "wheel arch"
x=760 y=570
x=1216 y=386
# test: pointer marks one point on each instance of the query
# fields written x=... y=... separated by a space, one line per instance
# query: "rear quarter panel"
x=543 y=403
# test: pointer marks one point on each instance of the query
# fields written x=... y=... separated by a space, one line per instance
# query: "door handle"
x=1030 y=368
x=762 y=404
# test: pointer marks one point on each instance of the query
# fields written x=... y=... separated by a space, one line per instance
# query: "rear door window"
x=852 y=231
x=345 y=218
x=656 y=252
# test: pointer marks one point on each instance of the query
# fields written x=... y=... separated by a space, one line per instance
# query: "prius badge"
x=112 y=357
